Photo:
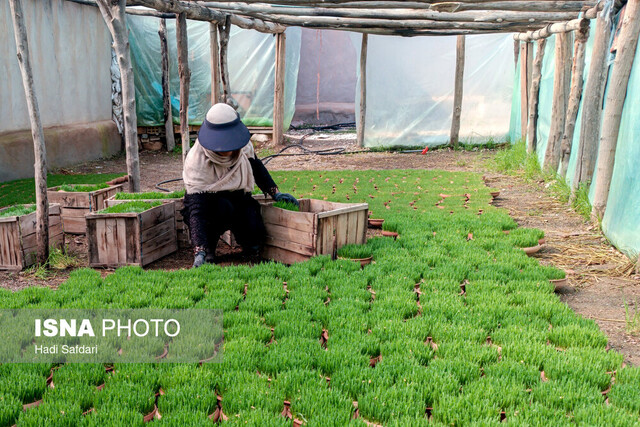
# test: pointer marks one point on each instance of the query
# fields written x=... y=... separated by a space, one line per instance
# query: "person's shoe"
x=253 y=254
x=200 y=259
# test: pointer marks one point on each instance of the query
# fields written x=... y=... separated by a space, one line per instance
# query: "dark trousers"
x=208 y=215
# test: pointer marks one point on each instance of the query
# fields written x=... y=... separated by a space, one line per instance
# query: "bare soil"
x=600 y=279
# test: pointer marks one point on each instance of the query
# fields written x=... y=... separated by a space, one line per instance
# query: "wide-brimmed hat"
x=222 y=129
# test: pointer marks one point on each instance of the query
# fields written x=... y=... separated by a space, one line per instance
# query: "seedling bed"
x=182 y=230
x=319 y=228
x=76 y=204
x=18 y=245
x=117 y=239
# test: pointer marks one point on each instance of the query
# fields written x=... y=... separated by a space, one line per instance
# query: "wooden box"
x=320 y=228
x=117 y=239
x=18 y=238
x=76 y=204
x=184 y=241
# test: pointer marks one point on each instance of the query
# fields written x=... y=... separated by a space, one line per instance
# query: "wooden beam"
x=278 y=95
x=215 y=64
x=577 y=80
x=39 y=148
x=457 y=92
x=522 y=6
x=559 y=107
x=198 y=12
x=627 y=43
x=363 y=90
x=366 y=23
x=113 y=12
x=400 y=13
x=185 y=79
x=561 y=27
x=166 y=90
x=415 y=4
x=592 y=103
x=534 y=93
x=130 y=10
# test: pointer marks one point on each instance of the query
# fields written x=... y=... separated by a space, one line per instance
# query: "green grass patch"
x=18 y=210
x=23 y=191
x=468 y=352
x=130 y=207
x=150 y=195
x=355 y=251
x=287 y=206
x=79 y=188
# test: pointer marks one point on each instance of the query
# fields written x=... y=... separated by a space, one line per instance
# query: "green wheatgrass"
x=150 y=195
x=80 y=188
x=287 y=206
x=130 y=207
x=18 y=210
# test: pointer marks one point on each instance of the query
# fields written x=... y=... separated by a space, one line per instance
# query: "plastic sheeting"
x=515 y=123
x=410 y=85
x=70 y=49
x=251 y=60
x=621 y=222
x=545 y=100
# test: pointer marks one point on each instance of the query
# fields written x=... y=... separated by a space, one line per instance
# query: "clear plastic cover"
x=251 y=59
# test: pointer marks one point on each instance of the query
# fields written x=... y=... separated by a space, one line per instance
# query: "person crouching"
x=220 y=172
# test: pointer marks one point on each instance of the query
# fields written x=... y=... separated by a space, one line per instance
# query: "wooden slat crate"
x=117 y=239
x=184 y=241
x=320 y=228
x=75 y=205
x=18 y=238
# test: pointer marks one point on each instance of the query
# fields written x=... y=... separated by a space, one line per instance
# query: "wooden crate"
x=75 y=205
x=18 y=238
x=320 y=228
x=117 y=239
x=184 y=241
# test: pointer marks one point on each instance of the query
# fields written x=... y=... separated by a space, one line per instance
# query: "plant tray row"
x=18 y=238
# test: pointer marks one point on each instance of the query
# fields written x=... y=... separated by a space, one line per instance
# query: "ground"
x=600 y=279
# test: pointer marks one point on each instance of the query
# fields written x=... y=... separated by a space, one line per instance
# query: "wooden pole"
x=39 y=148
x=166 y=91
x=278 y=95
x=592 y=104
x=627 y=43
x=524 y=103
x=559 y=107
x=215 y=64
x=185 y=79
x=224 y=32
x=534 y=93
x=113 y=12
x=457 y=93
x=363 y=90
x=577 y=80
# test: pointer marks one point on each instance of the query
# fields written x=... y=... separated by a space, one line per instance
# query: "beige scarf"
x=206 y=171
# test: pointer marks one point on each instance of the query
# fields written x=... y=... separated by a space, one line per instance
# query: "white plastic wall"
x=70 y=49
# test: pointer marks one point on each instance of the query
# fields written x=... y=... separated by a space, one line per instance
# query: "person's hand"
x=285 y=197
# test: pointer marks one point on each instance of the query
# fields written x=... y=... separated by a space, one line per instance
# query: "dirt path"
x=600 y=279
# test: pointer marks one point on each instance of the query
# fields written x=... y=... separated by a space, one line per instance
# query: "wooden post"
x=185 y=78
x=166 y=91
x=534 y=93
x=559 y=107
x=113 y=12
x=525 y=73
x=39 y=148
x=627 y=43
x=215 y=67
x=577 y=80
x=278 y=95
x=457 y=94
x=592 y=104
x=224 y=32
x=363 y=90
